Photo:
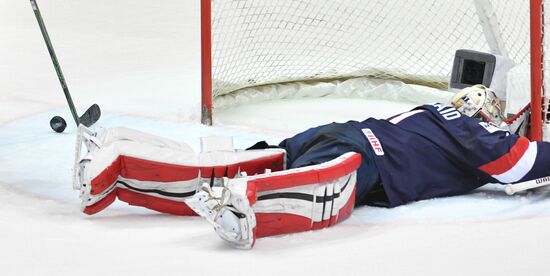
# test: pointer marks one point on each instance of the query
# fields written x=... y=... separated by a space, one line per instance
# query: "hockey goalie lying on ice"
x=314 y=179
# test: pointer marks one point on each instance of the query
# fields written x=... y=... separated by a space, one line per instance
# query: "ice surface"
x=139 y=61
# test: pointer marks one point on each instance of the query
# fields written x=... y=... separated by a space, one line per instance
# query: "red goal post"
x=248 y=43
x=537 y=70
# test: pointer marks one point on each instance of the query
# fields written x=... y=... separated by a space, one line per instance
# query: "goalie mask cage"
x=249 y=43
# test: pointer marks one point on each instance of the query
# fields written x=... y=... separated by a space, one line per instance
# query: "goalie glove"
x=519 y=124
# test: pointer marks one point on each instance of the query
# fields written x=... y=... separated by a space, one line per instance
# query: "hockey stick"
x=93 y=113
x=511 y=189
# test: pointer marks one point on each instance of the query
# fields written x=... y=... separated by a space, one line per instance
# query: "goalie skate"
x=229 y=212
x=88 y=138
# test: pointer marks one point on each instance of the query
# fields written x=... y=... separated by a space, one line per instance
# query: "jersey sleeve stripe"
x=524 y=165
x=507 y=161
x=515 y=164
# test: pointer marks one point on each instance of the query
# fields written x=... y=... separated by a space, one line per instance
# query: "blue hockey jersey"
x=434 y=150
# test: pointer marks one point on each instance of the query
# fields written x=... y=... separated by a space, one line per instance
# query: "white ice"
x=139 y=60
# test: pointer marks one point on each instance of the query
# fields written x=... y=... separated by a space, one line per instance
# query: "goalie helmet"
x=479 y=102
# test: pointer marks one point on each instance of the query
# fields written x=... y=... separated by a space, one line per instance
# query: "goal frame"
x=536 y=22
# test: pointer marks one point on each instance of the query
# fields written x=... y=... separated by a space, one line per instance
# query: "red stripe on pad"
x=258 y=166
x=100 y=205
x=155 y=203
x=220 y=171
x=271 y=224
x=136 y=199
x=316 y=175
x=251 y=192
x=251 y=167
x=106 y=178
x=346 y=211
x=509 y=160
x=145 y=170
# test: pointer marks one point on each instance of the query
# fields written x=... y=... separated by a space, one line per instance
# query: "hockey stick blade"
x=91 y=116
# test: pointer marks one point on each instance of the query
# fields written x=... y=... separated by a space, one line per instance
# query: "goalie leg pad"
x=307 y=198
x=137 y=180
x=156 y=174
x=295 y=200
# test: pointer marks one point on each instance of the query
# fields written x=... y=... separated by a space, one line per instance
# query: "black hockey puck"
x=58 y=124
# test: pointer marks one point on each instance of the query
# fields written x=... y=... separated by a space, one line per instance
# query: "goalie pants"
x=323 y=143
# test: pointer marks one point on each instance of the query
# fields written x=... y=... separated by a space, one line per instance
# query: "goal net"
x=249 y=43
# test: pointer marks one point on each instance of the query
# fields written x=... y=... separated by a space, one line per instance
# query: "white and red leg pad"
x=160 y=176
x=305 y=198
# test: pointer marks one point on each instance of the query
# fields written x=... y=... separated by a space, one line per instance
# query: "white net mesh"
x=256 y=42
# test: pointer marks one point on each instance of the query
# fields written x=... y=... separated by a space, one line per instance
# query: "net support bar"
x=489 y=23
